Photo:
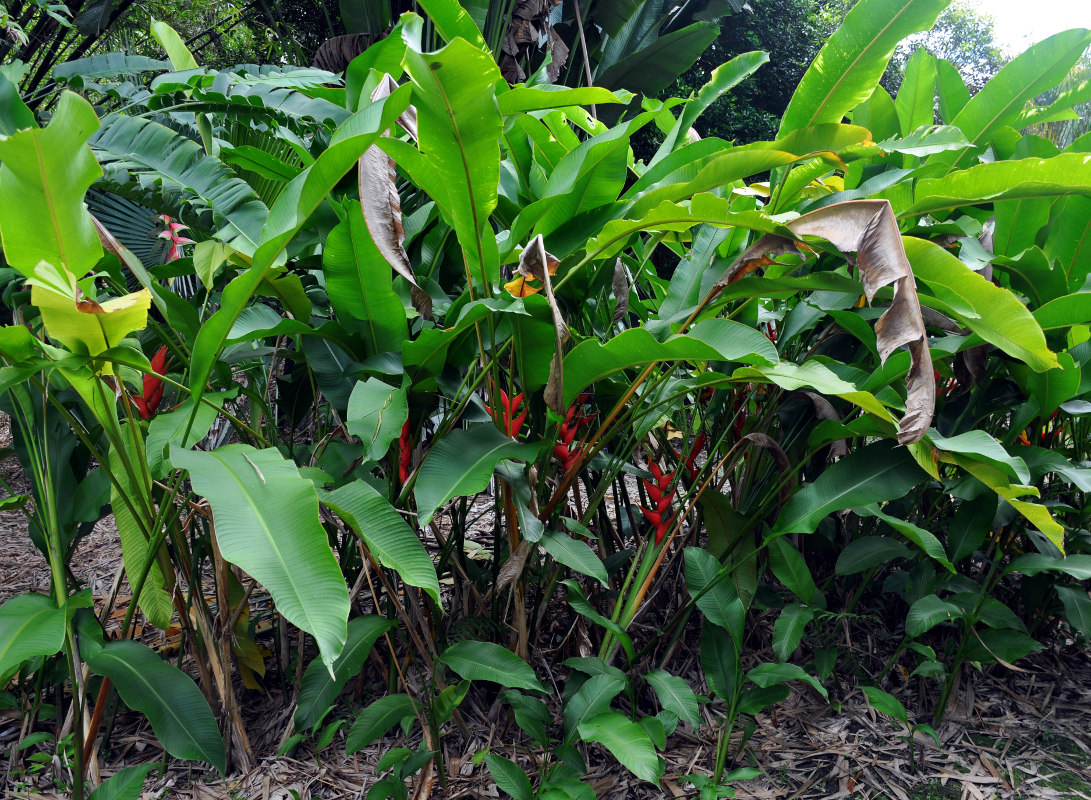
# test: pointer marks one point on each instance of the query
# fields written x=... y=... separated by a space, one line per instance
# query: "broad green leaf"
x=719 y=656
x=178 y=712
x=923 y=539
x=458 y=161
x=716 y=595
x=376 y=414
x=574 y=554
x=709 y=340
x=267 y=522
x=850 y=64
x=626 y=741
x=30 y=625
x=997 y=315
x=319 y=688
x=386 y=534
x=80 y=73
x=14 y=113
x=1001 y=102
x=651 y=69
x=452 y=22
x=951 y=90
x=1077 y=608
x=179 y=55
x=1076 y=566
x=886 y=704
x=917 y=94
x=1068 y=173
x=766 y=675
x=814 y=375
x=539 y=98
x=358 y=280
x=44 y=174
x=376 y=720
x=169 y=428
x=590 y=700
x=927 y=613
x=978 y=444
x=788 y=629
x=723 y=79
x=125 y=784
x=676 y=696
x=293 y=207
x=1008 y=646
x=790 y=569
x=873 y=474
x=509 y=777
x=869 y=552
x=485 y=661
x=461 y=464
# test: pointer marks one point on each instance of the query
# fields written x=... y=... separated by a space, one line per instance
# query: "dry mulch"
x=1009 y=734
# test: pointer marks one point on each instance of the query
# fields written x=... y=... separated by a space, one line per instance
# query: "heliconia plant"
x=417 y=287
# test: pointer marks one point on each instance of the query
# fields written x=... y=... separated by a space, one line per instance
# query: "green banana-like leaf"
x=87 y=327
x=293 y=207
x=1066 y=174
x=319 y=688
x=452 y=22
x=951 y=91
x=79 y=72
x=267 y=522
x=850 y=64
x=485 y=661
x=992 y=312
x=30 y=625
x=44 y=174
x=376 y=413
x=146 y=161
x=651 y=69
x=385 y=533
x=875 y=473
x=1001 y=102
x=179 y=55
x=378 y=718
x=709 y=340
x=461 y=464
x=178 y=712
x=917 y=94
x=458 y=163
x=626 y=741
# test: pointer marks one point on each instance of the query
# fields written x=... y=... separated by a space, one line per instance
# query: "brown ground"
x=1020 y=734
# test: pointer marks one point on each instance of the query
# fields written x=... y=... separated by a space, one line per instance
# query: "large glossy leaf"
x=378 y=718
x=676 y=696
x=1068 y=173
x=376 y=413
x=44 y=174
x=929 y=612
x=873 y=474
x=788 y=629
x=917 y=94
x=319 y=688
x=850 y=64
x=169 y=428
x=459 y=126
x=1001 y=102
x=293 y=207
x=626 y=741
x=461 y=464
x=84 y=326
x=125 y=784
x=710 y=340
x=509 y=777
x=591 y=699
x=177 y=52
x=993 y=313
x=651 y=69
x=574 y=554
x=386 y=534
x=267 y=522
x=30 y=625
x=79 y=72
x=716 y=595
x=485 y=661
x=178 y=713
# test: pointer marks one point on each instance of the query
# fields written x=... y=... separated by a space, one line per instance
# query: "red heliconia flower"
x=176 y=239
x=405 y=454
x=512 y=427
x=771 y=331
x=565 y=450
x=661 y=498
x=152 y=390
x=691 y=460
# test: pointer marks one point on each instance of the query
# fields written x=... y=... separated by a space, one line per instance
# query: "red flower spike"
x=151 y=395
x=659 y=518
x=512 y=427
x=405 y=453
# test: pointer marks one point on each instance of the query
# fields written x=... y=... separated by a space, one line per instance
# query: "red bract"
x=512 y=427
x=691 y=460
x=405 y=453
x=152 y=390
x=174 y=237
x=565 y=450
x=661 y=498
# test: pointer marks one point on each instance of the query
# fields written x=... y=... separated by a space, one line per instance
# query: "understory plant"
x=416 y=382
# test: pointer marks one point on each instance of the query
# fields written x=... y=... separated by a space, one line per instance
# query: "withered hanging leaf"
x=382 y=205
x=767 y=442
x=620 y=287
x=869 y=228
x=823 y=409
x=535 y=262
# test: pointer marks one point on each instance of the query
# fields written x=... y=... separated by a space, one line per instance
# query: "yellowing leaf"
x=87 y=327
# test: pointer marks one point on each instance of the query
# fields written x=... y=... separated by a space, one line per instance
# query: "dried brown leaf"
x=535 y=262
x=870 y=229
x=767 y=442
x=620 y=287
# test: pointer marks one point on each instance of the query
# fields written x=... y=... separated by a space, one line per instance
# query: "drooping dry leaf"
x=869 y=228
x=767 y=442
x=620 y=287
x=823 y=409
x=535 y=262
x=382 y=205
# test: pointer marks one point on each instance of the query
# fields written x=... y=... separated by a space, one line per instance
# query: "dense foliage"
x=390 y=356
